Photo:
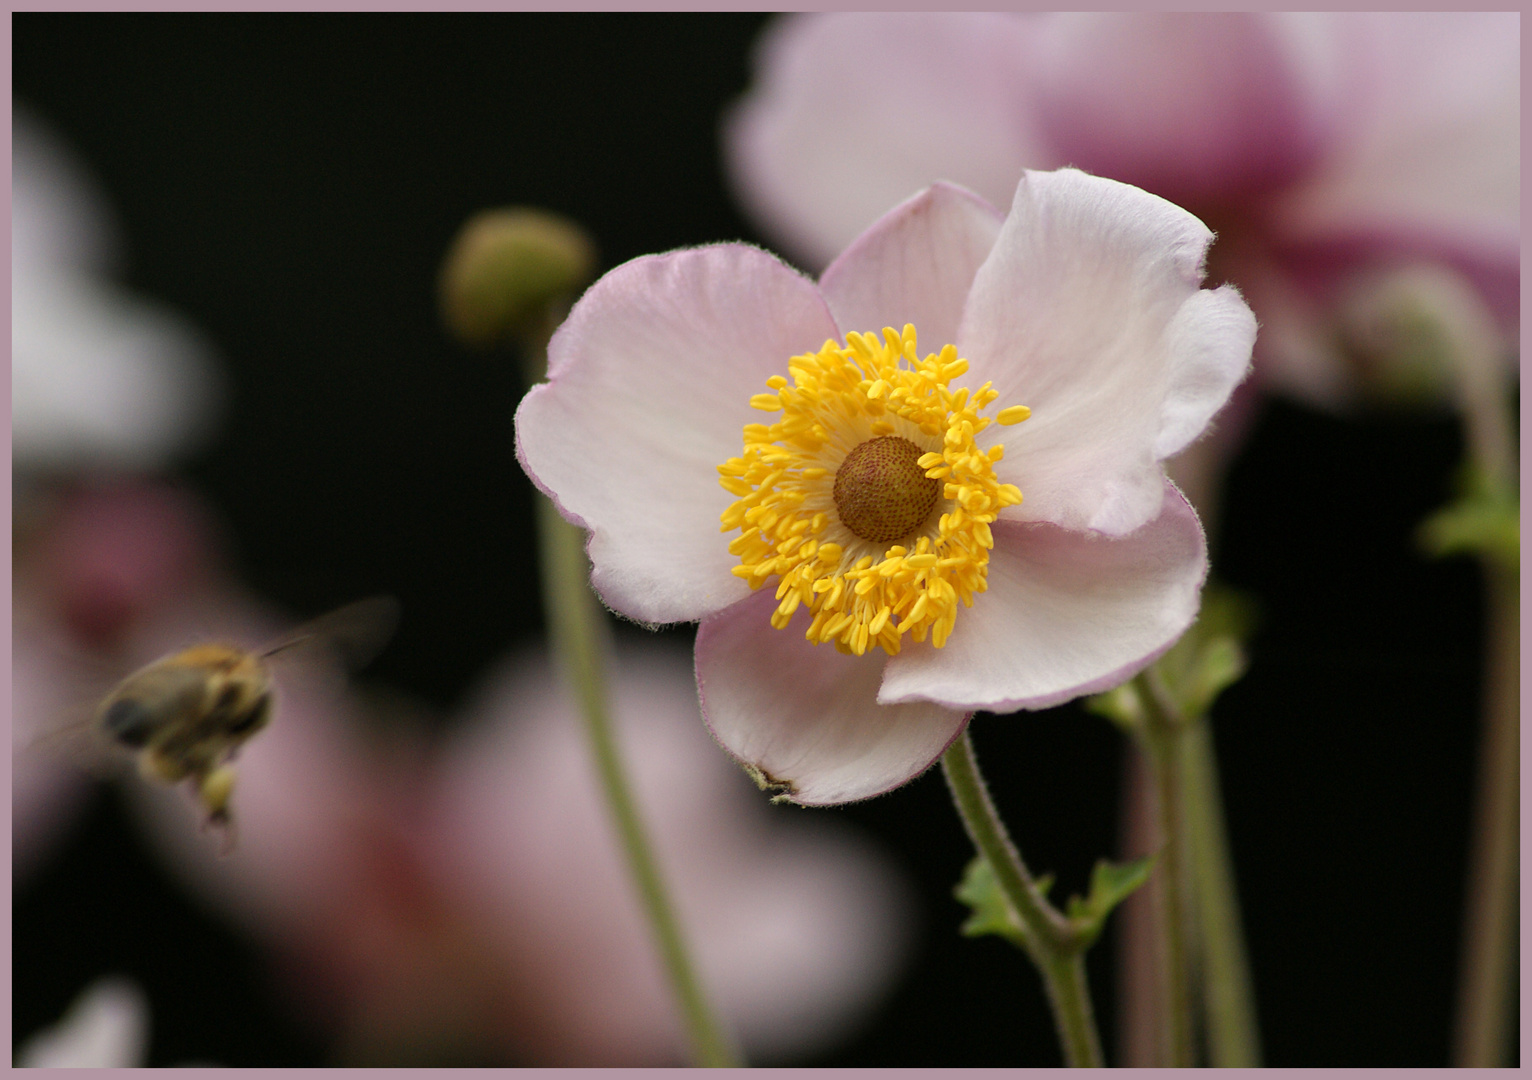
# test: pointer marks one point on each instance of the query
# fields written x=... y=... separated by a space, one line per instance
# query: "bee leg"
x=214 y=789
x=223 y=825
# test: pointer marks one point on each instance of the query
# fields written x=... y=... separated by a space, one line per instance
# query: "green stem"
x=1228 y=997
x=1163 y=729
x=1483 y=1036
x=1054 y=946
x=579 y=637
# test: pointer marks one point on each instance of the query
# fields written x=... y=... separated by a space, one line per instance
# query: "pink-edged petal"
x=650 y=380
x=1089 y=311
x=1187 y=105
x=806 y=715
x=915 y=265
x=1066 y=614
x=1427 y=143
x=850 y=113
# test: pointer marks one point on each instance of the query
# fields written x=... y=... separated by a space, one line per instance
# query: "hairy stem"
x=1163 y=732
x=1053 y=945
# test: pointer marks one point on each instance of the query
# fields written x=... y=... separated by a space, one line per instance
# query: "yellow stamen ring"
x=869 y=498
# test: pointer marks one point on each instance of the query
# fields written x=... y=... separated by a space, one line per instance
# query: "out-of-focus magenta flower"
x=101 y=380
x=99 y=575
x=1317 y=145
x=468 y=903
x=913 y=584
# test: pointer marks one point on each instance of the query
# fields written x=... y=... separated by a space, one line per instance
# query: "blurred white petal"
x=107 y=1027
x=99 y=378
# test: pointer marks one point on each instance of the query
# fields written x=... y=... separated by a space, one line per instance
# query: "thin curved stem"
x=1051 y=941
x=579 y=639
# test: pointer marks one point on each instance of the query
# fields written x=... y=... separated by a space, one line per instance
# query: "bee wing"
x=350 y=636
x=59 y=723
x=74 y=738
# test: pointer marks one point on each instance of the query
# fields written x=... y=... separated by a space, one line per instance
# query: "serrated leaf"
x=1210 y=656
x=991 y=913
x=1484 y=520
x=1219 y=666
x=1110 y=884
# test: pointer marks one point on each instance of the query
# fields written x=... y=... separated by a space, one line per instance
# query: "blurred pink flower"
x=1317 y=145
x=796 y=924
x=1084 y=303
x=468 y=902
x=101 y=576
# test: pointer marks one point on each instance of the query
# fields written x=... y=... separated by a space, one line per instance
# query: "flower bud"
x=1420 y=334
x=505 y=267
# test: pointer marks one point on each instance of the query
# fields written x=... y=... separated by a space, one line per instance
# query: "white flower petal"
x=101 y=380
x=853 y=112
x=1209 y=342
x=650 y=384
x=1088 y=311
x=915 y=265
x=1066 y=614
x=59 y=218
x=806 y=715
x=107 y=1027
x=1427 y=143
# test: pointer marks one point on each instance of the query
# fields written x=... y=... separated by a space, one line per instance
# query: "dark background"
x=289 y=183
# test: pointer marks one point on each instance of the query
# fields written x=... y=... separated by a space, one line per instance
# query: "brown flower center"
x=881 y=492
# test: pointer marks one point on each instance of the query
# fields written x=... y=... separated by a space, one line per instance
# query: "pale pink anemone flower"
x=1318 y=145
x=1083 y=305
x=466 y=899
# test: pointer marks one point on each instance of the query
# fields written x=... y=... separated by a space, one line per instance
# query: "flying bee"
x=186 y=715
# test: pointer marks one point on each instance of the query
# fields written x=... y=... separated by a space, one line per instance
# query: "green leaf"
x=1484 y=520
x=991 y=912
x=1210 y=656
x=1121 y=706
x=1110 y=884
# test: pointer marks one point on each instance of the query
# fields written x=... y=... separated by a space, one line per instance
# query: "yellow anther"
x=861 y=589
x=1013 y=415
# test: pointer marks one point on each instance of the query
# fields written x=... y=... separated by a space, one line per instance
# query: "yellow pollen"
x=869 y=500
